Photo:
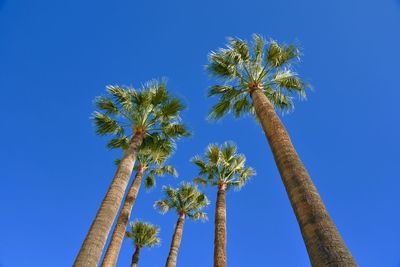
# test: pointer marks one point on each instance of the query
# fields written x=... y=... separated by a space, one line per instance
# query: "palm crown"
x=245 y=67
x=152 y=156
x=143 y=234
x=222 y=165
x=127 y=111
x=186 y=200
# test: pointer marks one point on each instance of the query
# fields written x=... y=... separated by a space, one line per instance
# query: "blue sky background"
x=56 y=56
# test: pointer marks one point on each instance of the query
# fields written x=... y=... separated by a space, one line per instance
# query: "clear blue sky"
x=56 y=56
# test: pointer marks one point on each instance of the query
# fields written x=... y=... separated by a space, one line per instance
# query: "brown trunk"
x=135 y=257
x=111 y=256
x=324 y=244
x=220 y=228
x=176 y=242
x=92 y=247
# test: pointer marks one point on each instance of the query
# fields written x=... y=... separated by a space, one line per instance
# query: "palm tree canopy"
x=150 y=110
x=222 y=165
x=260 y=64
x=186 y=199
x=143 y=234
x=152 y=156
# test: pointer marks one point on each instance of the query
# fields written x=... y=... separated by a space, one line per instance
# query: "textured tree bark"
x=220 y=228
x=324 y=244
x=176 y=242
x=92 y=248
x=135 y=257
x=111 y=256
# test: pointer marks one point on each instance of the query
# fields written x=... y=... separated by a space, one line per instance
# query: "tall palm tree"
x=222 y=167
x=259 y=78
x=150 y=162
x=143 y=235
x=186 y=200
x=130 y=116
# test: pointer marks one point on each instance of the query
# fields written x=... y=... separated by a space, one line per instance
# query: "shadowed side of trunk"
x=324 y=244
x=111 y=256
x=92 y=247
x=220 y=228
x=176 y=242
x=135 y=257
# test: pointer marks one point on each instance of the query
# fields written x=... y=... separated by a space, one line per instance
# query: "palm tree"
x=186 y=200
x=259 y=78
x=150 y=158
x=143 y=234
x=222 y=167
x=130 y=116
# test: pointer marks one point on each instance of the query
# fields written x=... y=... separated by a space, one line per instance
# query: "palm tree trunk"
x=176 y=242
x=92 y=247
x=111 y=256
x=220 y=228
x=324 y=244
x=135 y=257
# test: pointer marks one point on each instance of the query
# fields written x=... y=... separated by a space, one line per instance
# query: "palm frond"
x=106 y=125
x=107 y=105
x=198 y=215
x=121 y=142
x=121 y=96
x=213 y=154
x=171 y=108
x=239 y=51
x=219 y=89
x=280 y=100
x=149 y=182
x=175 y=130
x=278 y=55
x=163 y=206
x=241 y=106
x=219 y=110
x=288 y=80
x=199 y=180
x=259 y=43
x=160 y=95
x=244 y=177
x=165 y=169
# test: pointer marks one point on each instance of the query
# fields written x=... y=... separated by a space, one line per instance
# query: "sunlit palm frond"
x=106 y=105
x=106 y=125
x=119 y=143
x=121 y=96
x=163 y=206
x=244 y=177
x=279 y=55
x=198 y=216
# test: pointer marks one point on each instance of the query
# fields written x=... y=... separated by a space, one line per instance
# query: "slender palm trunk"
x=135 y=257
x=111 y=256
x=220 y=228
x=92 y=247
x=176 y=242
x=324 y=244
